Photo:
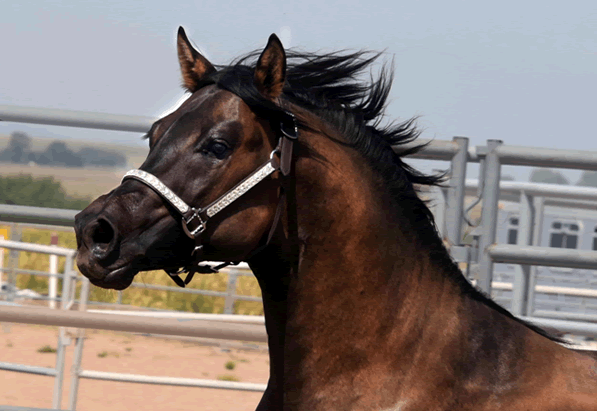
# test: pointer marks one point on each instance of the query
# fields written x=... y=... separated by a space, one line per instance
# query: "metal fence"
x=532 y=199
x=481 y=256
x=222 y=327
x=24 y=216
x=67 y=299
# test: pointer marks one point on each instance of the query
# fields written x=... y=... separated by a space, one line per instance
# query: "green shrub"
x=28 y=191
x=46 y=349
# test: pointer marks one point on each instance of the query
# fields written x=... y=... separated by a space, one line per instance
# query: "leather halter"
x=194 y=220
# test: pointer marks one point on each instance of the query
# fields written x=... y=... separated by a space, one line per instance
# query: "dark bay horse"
x=364 y=308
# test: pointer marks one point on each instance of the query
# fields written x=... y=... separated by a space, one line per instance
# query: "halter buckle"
x=288 y=126
x=200 y=224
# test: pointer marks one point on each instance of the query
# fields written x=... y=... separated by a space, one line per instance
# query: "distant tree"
x=545 y=175
x=18 y=150
x=58 y=154
x=588 y=179
x=92 y=156
x=41 y=192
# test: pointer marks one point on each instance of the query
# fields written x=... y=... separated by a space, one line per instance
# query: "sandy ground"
x=134 y=354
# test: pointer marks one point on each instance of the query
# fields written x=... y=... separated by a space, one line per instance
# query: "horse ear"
x=270 y=71
x=193 y=65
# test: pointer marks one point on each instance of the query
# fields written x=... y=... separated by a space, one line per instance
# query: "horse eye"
x=218 y=149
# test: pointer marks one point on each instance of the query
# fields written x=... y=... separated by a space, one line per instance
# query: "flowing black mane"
x=330 y=86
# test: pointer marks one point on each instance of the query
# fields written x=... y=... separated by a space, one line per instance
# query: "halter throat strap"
x=194 y=220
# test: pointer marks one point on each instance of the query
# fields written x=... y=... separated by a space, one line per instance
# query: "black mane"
x=329 y=85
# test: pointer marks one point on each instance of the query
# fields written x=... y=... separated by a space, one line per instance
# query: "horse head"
x=213 y=141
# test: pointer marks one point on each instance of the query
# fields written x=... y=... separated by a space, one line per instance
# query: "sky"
x=524 y=72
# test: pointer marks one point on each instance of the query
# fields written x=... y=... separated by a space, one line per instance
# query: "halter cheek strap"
x=194 y=220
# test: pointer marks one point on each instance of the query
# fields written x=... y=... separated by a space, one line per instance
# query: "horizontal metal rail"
x=546 y=157
x=544 y=256
x=549 y=289
x=131 y=323
x=228 y=318
x=16 y=408
x=184 y=382
x=74 y=118
x=37 y=248
x=30 y=272
x=542 y=190
x=37 y=215
x=440 y=150
x=30 y=369
x=432 y=149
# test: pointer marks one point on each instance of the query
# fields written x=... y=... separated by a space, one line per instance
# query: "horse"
x=280 y=159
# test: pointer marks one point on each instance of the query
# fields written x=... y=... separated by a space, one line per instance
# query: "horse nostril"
x=103 y=233
x=102 y=237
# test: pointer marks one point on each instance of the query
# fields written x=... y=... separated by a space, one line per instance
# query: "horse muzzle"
x=99 y=254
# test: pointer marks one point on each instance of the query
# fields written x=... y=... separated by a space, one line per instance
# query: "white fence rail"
x=137 y=324
x=547 y=256
x=73 y=118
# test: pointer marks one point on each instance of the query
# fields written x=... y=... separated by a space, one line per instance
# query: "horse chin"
x=117 y=279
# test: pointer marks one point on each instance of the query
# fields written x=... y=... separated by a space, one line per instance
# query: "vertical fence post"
x=53 y=280
x=441 y=210
x=455 y=202
x=230 y=292
x=491 y=196
x=78 y=354
x=63 y=340
x=539 y=205
x=525 y=237
x=13 y=264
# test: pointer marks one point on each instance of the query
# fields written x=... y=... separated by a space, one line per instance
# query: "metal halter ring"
x=274 y=152
x=200 y=228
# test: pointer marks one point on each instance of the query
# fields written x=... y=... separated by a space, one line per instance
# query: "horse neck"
x=367 y=289
x=357 y=243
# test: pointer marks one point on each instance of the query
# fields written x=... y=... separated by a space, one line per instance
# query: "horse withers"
x=280 y=160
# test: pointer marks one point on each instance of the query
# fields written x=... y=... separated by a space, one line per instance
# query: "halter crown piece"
x=194 y=220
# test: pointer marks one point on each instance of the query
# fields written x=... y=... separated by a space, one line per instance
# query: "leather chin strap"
x=194 y=220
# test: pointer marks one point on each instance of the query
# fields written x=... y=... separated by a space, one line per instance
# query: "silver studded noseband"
x=183 y=208
x=194 y=220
